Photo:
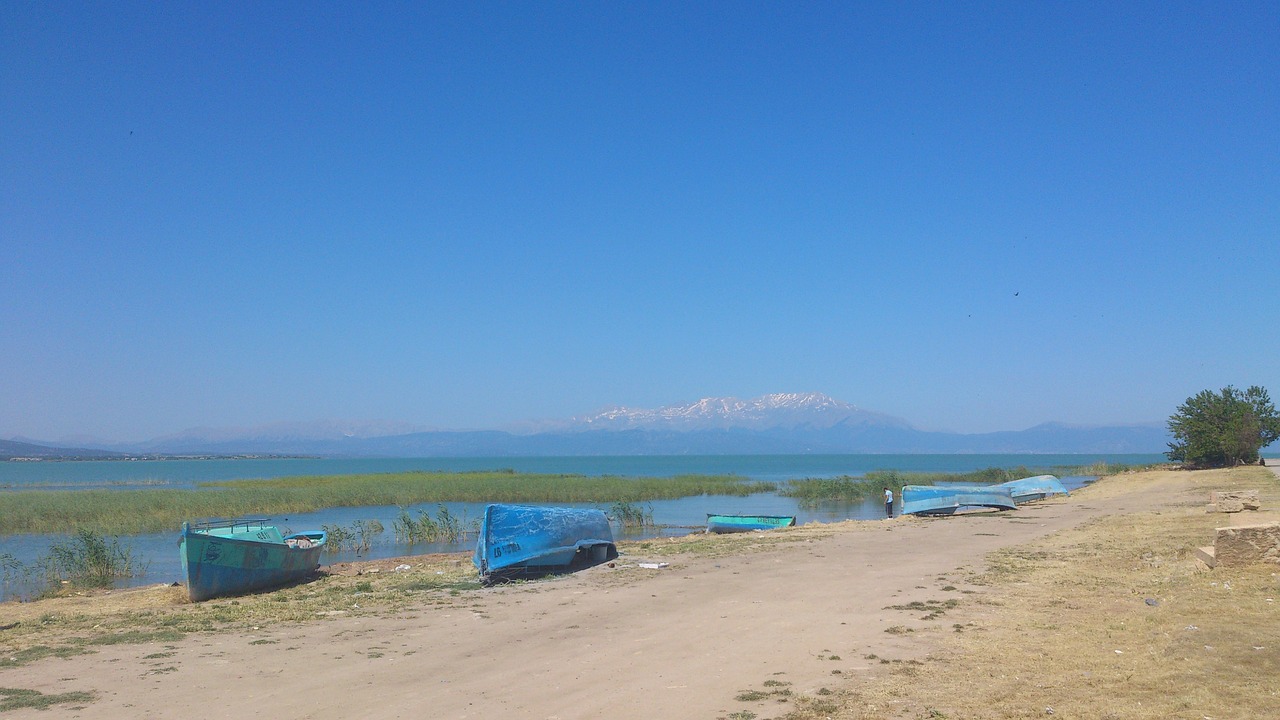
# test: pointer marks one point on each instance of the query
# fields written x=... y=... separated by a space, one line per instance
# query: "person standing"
x=888 y=502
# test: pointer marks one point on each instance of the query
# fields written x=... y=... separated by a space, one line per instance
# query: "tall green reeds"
x=130 y=512
x=338 y=538
x=86 y=560
x=10 y=568
x=444 y=527
x=631 y=515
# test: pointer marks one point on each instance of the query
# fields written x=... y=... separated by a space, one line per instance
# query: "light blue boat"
x=1030 y=489
x=947 y=499
x=747 y=523
x=528 y=540
x=235 y=557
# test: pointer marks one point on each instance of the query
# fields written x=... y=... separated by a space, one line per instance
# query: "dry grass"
x=1114 y=619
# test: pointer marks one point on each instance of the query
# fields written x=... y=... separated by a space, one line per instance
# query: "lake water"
x=674 y=517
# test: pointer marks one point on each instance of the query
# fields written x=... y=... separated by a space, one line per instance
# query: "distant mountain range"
x=11 y=449
x=789 y=423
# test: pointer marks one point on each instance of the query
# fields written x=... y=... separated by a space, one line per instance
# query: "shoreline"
x=818 y=610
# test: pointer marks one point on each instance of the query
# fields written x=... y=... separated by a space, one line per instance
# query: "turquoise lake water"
x=187 y=473
x=675 y=517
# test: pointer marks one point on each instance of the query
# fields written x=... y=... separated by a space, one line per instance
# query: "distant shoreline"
x=138 y=458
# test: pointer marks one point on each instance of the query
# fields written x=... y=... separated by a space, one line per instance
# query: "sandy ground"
x=618 y=642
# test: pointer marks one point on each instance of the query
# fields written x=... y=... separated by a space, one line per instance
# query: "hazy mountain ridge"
x=782 y=423
x=10 y=449
x=762 y=413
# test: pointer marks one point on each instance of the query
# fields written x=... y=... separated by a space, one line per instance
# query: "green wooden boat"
x=235 y=557
x=747 y=523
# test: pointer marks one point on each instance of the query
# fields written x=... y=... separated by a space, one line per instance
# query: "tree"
x=1223 y=429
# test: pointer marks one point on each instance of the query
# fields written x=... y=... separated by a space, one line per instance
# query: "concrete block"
x=1247 y=544
x=1232 y=501
x=1205 y=555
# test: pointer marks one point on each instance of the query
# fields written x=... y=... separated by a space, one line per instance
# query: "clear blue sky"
x=974 y=216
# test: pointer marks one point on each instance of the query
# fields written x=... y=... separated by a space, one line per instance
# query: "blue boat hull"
x=236 y=559
x=1034 y=488
x=945 y=500
x=747 y=523
x=524 y=540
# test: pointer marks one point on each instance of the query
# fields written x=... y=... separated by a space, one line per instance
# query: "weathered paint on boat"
x=232 y=558
x=946 y=499
x=1034 y=488
x=520 y=540
x=747 y=523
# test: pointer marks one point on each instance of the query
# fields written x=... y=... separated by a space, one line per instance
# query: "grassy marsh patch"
x=18 y=699
x=127 y=512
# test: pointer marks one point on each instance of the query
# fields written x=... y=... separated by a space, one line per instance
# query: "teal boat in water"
x=528 y=540
x=948 y=499
x=236 y=557
x=1030 y=489
x=747 y=523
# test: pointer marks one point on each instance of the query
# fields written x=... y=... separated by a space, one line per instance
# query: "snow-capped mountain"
x=778 y=410
x=780 y=423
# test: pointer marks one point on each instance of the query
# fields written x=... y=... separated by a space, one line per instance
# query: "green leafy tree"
x=1223 y=429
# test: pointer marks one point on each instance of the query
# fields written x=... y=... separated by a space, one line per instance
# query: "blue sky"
x=974 y=216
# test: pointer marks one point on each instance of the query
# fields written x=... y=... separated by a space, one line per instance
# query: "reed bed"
x=631 y=515
x=127 y=512
x=444 y=527
x=86 y=560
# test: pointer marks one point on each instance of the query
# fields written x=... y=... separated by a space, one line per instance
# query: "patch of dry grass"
x=1113 y=619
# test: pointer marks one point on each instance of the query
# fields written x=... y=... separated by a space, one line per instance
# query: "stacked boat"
x=949 y=499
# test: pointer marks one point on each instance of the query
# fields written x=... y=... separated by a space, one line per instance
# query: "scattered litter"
x=1152 y=602
x=1208 y=647
x=401 y=568
x=1257 y=647
x=654 y=566
x=1119 y=652
x=1226 y=585
x=1191 y=627
x=1048 y=710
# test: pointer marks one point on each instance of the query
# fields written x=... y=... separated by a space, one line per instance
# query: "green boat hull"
x=236 y=558
x=747 y=523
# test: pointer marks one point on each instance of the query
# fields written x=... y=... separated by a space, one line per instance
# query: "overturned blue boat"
x=947 y=499
x=527 y=540
x=747 y=523
x=1030 y=489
